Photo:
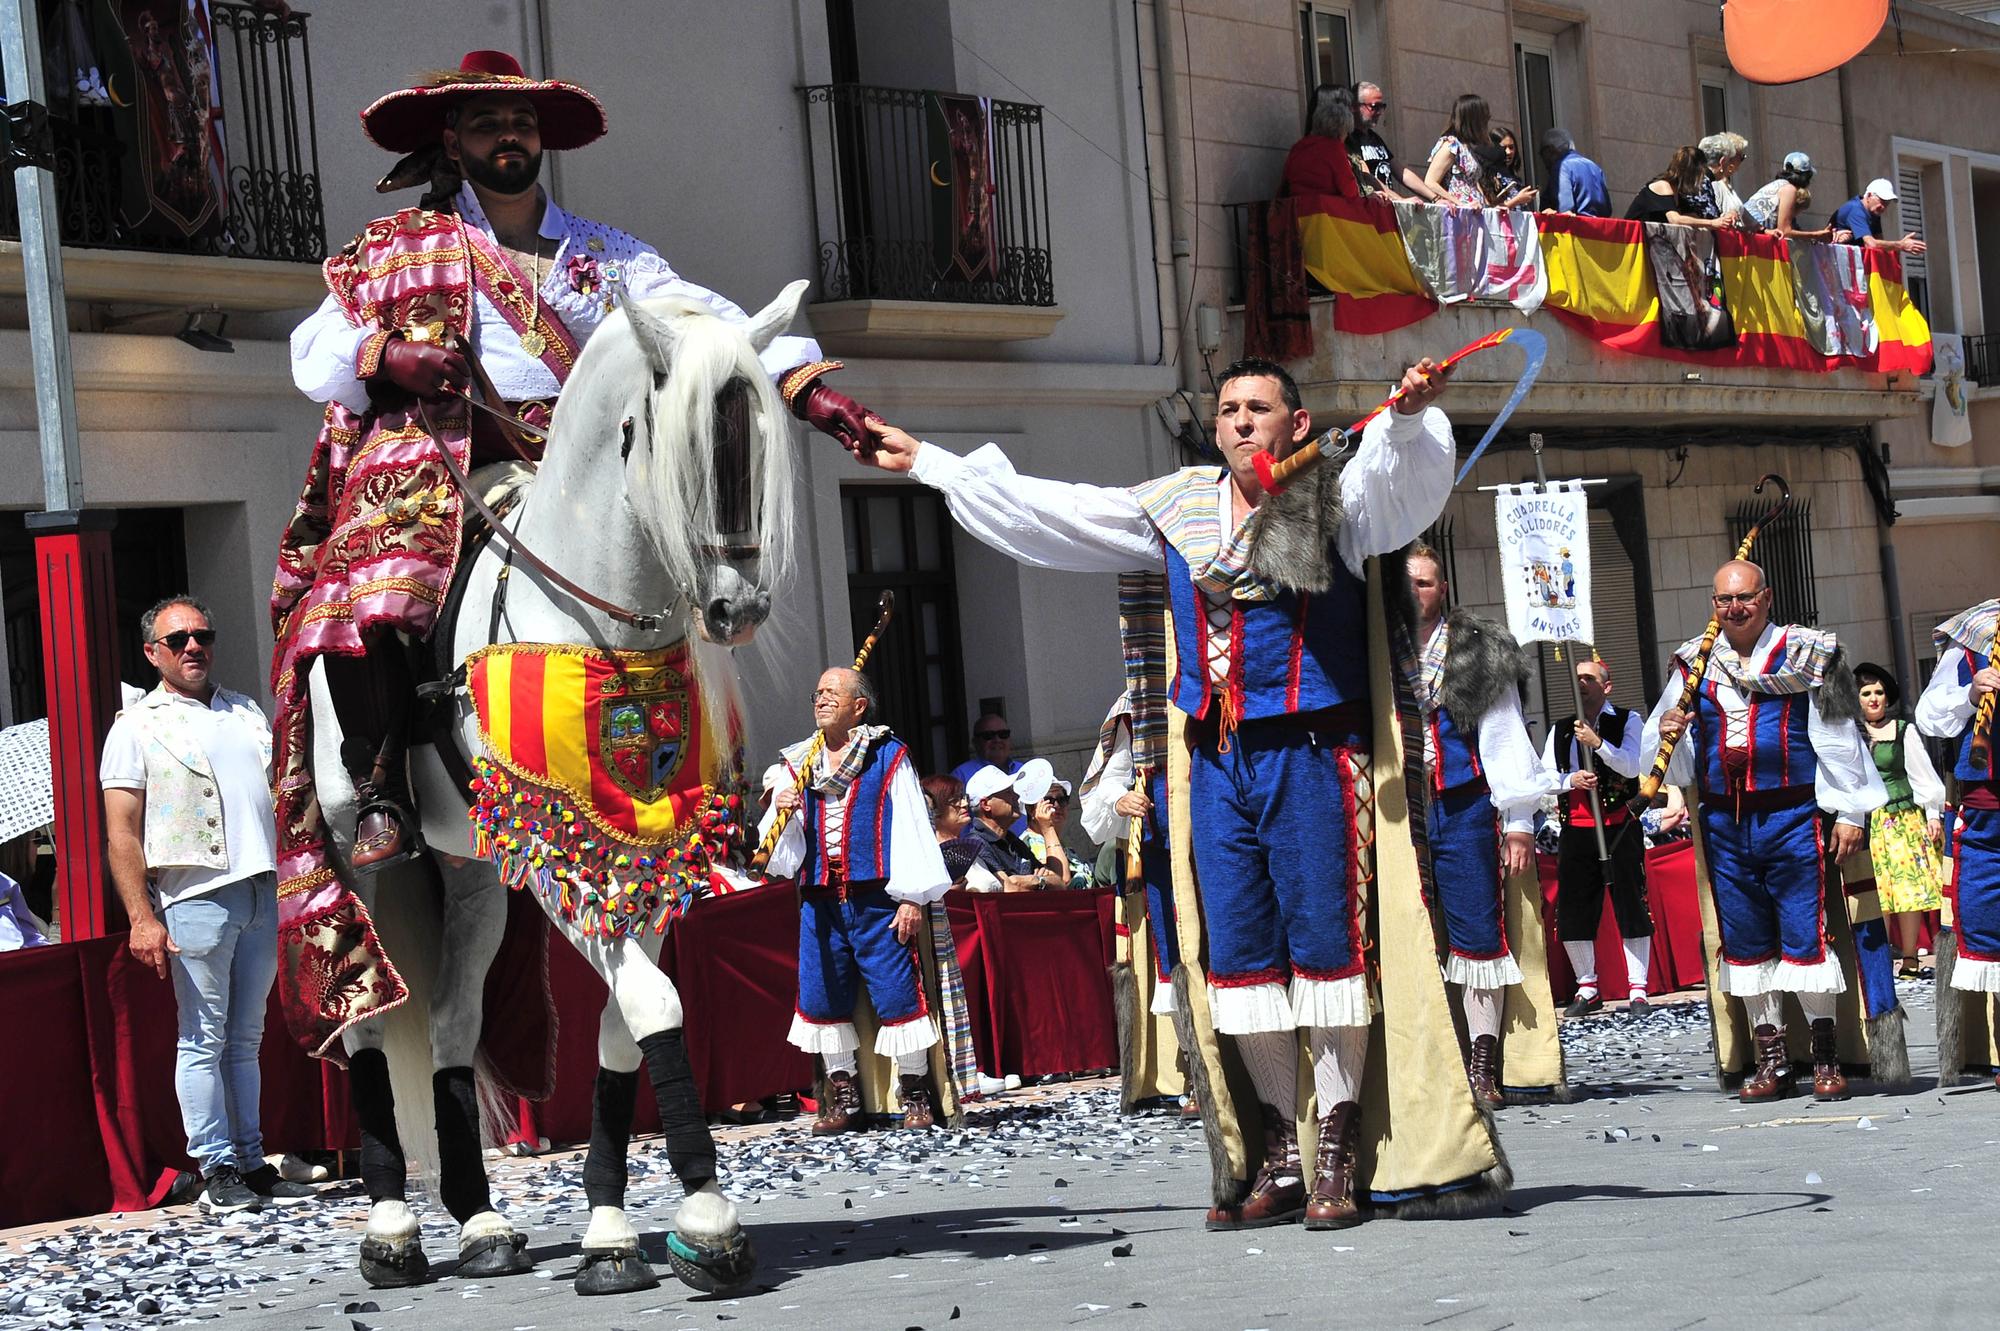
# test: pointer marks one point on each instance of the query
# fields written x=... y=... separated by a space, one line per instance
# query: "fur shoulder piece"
x=1482 y=662
x=1293 y=544
x=1839 y=693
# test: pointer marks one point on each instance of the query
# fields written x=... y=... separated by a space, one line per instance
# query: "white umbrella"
x=27 y=784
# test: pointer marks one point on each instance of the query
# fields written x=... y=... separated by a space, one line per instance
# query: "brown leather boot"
x=841 y=1110
x=1771 y=1079
x=1484 y=1072
x=1278 y=1196
x=1829 y=1082
x=1332 y=1205
x=372 y=696
x=918 y=1111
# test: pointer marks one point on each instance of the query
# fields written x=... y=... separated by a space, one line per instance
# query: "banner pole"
x=1576 y=695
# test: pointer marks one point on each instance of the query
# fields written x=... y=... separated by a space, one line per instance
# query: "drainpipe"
x=1181 y=219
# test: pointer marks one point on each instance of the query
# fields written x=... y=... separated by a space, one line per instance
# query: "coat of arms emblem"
x=642 y=730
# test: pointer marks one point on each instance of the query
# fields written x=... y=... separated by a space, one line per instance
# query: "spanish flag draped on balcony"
x=1812 y=309
x=1852 y=312
x=1354 y=249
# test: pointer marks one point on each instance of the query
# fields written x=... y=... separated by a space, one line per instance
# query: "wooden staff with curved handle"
x=887 y=605
x=1649 y=788
x=1135 y=863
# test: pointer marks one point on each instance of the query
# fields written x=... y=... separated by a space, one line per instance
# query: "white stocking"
x=1638 y=951
x=1583 y=960
x=1818 y=1007
x=1272 y=1058
x=1767 y=1009
x=1482 y=1011
x=915 y=1063
x=1339 y=1056
x=839 y=1061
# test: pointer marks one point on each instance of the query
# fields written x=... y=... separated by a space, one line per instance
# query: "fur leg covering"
x=1125 y=1006
x=1479 y=1197
x=1950 y=1011
x=461 y=1170
x=1888 y=1051
x=690 y=1147
x=1224 y=1187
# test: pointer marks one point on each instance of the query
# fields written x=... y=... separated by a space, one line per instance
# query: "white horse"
x=665 y=488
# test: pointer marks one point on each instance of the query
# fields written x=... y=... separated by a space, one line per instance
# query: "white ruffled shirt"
x=916 y=865
x=324 y=346
x=1848 y=786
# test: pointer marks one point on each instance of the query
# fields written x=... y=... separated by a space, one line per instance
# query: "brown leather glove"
x=836 y=414
x=422 y=368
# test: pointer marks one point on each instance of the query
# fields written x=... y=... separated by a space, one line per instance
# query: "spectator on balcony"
x=1453 y=175
x=189 y=833
x=1378 y=164
x=1579 y=182
x=1859 y=220
x=1318 y=163
x=1501 y=188
x=1681 y=195
x=1722 y=156
x=1778 y=206
x=1504 y=186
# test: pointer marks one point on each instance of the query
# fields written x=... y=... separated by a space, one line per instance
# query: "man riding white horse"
x=486 y=285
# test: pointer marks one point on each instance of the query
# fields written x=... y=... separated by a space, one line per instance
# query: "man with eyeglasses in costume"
x=867 y=863
x=1776 y=740
x=486 y=284
x=187 y=803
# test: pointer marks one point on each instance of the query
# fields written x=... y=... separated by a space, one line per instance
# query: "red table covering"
x=1675 y=961
x=1037 y=978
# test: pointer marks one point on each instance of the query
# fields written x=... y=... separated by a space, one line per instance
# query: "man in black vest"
x=1603 y=754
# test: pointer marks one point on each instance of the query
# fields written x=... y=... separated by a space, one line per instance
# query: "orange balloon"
x=1784 y=41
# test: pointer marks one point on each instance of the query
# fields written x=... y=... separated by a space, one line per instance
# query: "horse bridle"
x=510 y=430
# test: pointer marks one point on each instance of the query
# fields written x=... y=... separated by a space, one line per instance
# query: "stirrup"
x=405 y=823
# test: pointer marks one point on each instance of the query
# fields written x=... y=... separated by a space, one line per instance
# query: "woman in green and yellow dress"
x=1904 y=835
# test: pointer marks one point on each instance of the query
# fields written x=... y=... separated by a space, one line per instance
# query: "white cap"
x=1881 y=189
x=1034 y=779
x=987 y=782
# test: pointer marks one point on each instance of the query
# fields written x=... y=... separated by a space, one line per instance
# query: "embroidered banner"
x=597 y=786
x=1545 y=560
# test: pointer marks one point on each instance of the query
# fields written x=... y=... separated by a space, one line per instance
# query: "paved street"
x=1649 y=1202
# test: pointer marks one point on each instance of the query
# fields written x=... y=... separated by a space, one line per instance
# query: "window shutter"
x=1910 y=207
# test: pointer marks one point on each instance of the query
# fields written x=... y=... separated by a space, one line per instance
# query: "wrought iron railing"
x=1982 y=359
x=929 y=196
x=270 y=207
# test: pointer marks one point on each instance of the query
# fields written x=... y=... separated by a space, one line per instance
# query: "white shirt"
x=916 y=865
x=1098 y=810
x=1515 y=777
x=1848 y=786
x=1946 y=708
x=242 y=780
x=1926 y=787
x=324 y=346
x=1393 y=488
x=1624 y=759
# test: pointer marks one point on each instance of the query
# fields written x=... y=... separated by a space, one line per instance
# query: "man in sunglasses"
x=1774 y=739
x=189 y=830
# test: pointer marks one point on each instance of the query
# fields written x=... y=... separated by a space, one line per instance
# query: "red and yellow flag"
x=1353 y=248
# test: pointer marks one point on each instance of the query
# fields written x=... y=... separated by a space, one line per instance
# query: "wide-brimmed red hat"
x=413 y=118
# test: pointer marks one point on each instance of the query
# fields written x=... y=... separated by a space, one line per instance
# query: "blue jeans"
x=228 y=941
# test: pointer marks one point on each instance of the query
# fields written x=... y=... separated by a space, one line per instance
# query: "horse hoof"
x=495 y=1255
x=712 y=1268
x=619 y=1271
x=386 y=1265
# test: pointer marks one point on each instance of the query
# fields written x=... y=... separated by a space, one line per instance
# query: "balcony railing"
x=929 y=196
x=269 y=206
x=1982 y=359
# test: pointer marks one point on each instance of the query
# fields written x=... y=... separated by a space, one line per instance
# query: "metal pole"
x=41 y=255
x=1576 y=696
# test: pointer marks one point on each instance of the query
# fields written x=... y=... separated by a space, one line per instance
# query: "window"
x=1910 y=209
x=899 y=540
x=1784 y=551
x=1714 y=108
x=1535 y=74
x=1326 y=34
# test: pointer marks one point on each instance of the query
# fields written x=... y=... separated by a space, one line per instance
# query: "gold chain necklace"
x=532 y=340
